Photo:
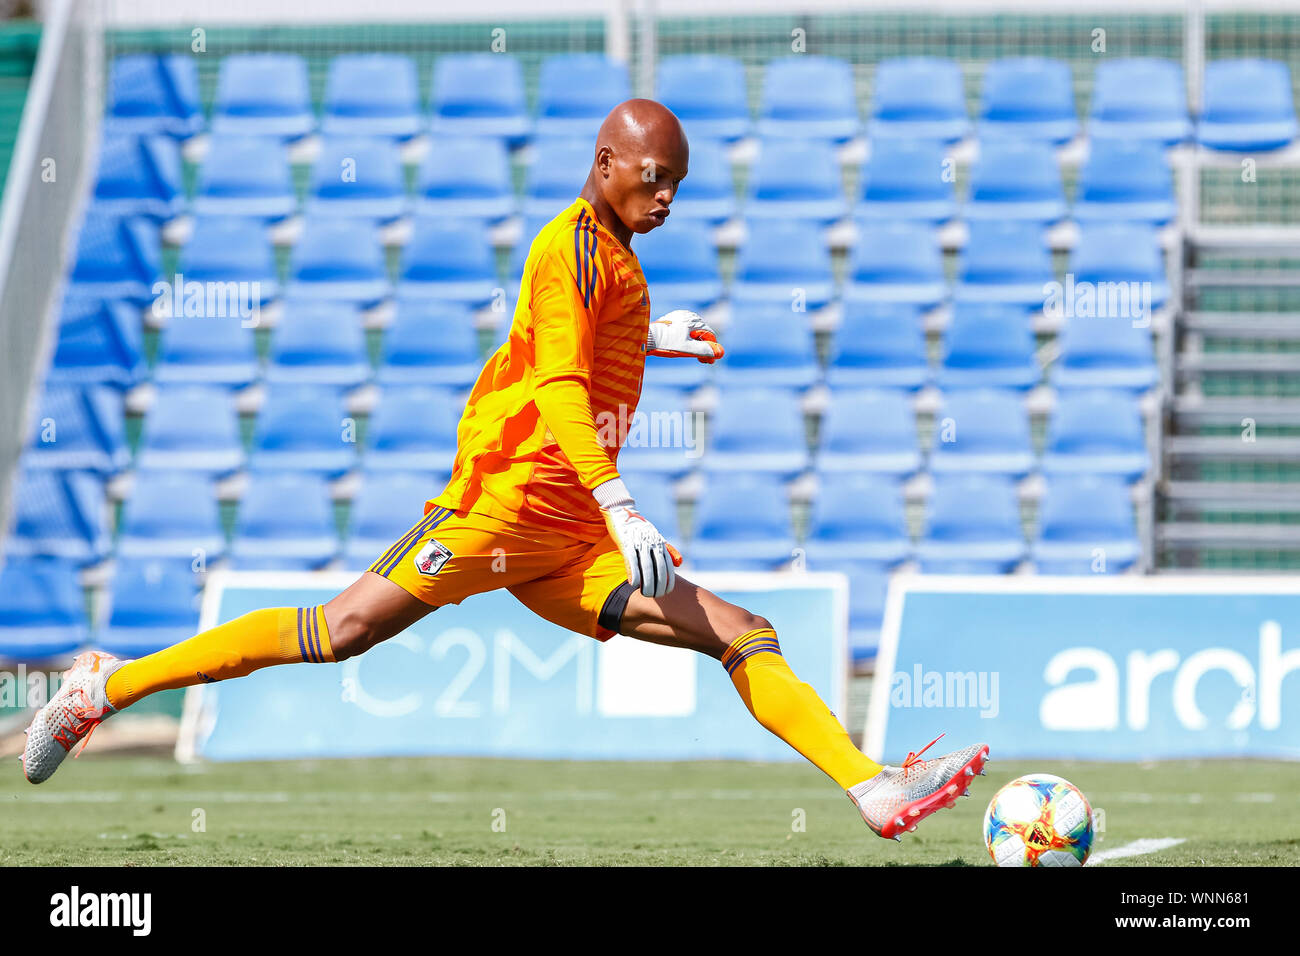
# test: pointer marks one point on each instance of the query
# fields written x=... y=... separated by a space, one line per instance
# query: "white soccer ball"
x=1038 y=820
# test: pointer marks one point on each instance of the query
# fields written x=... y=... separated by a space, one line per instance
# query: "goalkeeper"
x=535 y=505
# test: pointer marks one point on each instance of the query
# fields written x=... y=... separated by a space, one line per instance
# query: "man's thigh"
x=586 y=594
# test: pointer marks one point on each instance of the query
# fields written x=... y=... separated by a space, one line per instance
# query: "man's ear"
x=605 y=160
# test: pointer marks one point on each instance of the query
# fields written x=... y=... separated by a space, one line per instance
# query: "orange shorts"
x=448 y=556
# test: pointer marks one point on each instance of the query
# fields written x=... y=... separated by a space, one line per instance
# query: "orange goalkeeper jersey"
x=582 y=315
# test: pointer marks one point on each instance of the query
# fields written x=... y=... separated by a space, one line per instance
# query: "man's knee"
x=741 y=621
x=352 y=629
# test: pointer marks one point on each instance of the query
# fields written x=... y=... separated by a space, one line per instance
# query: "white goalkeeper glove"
x=648 y=557
x=683 y=334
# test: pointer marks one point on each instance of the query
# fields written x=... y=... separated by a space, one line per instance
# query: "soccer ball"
x=1038 y=820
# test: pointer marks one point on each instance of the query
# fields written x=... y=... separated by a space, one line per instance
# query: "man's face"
x=640 y=186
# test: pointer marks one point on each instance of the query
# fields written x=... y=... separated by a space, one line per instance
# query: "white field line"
x=1136 y=848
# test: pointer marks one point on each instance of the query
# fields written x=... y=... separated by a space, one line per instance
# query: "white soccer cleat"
x=898 y=798
x=79 y=706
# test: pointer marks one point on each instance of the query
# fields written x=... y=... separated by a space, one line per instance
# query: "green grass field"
x=116 y=811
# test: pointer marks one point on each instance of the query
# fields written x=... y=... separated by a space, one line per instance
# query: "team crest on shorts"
x=430 y=559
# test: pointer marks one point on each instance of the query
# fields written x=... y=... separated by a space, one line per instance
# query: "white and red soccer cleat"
x=72 y=714
x=898 y=798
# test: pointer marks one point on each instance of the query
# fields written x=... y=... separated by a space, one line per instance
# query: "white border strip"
x=194 y=717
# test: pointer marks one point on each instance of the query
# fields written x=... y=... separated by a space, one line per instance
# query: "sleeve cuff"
x=610 y=493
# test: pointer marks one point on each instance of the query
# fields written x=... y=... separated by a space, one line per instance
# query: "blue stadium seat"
x=78 y=427
x=479 y=94
x=339 y=260
x=372 y=94
x=1105 y=353
x=742 y=523
x=1121 y=252
x=663 y=439
x=808 y=97
x=466 y=178
x=769 y=347
x=878 y=345
x=905 y=179
x=1004 y=263
x=989 y=346
x=59 y=514
x=973 y=527
x=757 y=430
x=42 y=609
x=1097 y=432
x=245 y=176
x=898 y=262
x=285 y=523
x=576 y=90
x=709 y=192
x=448 y=260
x=117 y=258
x=1247 y=105
x=1086 y=526
x=263 y=94
x=1139 y=98
x=318 y=343
x=430 y=343
x=1016 y=180
x=207 y=351
x=154 y=605
x=918 y=97
x=868 y=586
x=1028 y=98
x=100 y=341
x=303 y=428
x=707 y=93
x=413 y=428
x=171 y=514
x=680 y=264
x=385 y=507
x=984 y=431
x=555 y=176
x=784 y=262
x=796 y=179
x=858 y=517
x=192 y=428
x=869 y=431
x=138 y=176
x=1126 y=180
x=224 y=249
x=154 y=94
x=358 y=178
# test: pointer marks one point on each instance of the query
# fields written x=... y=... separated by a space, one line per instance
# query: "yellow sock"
x=280 y=635
x=791 y=709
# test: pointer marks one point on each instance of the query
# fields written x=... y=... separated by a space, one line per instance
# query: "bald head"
x=642 y=125
x=641 y=158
